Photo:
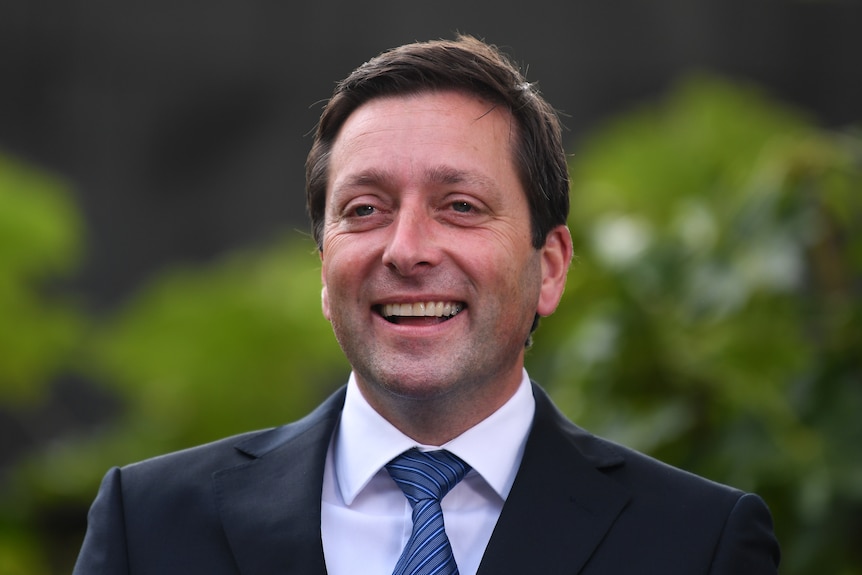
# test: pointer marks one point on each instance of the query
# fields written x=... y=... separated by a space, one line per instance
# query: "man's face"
x=429 y=277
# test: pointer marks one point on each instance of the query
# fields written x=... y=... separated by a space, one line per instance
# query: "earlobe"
x=556 y=257
x=324 y=297
x=324 y=302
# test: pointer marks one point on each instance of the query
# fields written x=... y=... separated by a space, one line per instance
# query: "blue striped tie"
x=425 y=478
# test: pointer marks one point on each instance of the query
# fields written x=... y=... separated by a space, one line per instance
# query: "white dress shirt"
x=365 y=518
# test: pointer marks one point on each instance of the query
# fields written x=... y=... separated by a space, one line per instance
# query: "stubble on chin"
x=429 y=414
x=434 y=411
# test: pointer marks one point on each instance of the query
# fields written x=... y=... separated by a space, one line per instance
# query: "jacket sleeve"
x=104 y=549
x=747 y=545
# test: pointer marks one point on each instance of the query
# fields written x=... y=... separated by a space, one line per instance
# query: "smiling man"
x=425 y=211
x=438 y=196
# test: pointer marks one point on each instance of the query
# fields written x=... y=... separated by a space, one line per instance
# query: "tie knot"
x=426 y=474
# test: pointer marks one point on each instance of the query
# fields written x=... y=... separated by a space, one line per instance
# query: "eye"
x=462 y=207
x=364 y=210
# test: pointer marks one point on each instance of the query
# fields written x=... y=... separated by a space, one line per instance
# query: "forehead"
x=449 y=131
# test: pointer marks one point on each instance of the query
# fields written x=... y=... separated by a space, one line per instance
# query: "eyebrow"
x=439 y=175
x=446 y=175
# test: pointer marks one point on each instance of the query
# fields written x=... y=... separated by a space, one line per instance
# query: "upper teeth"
x=427 y=309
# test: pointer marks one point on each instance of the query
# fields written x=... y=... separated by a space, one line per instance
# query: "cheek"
x=343 y=272
x=524 y=279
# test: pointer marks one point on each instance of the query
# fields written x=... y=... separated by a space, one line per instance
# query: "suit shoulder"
x=234 y=450
x=203 y=458
x=632 y=468
x=649 y=478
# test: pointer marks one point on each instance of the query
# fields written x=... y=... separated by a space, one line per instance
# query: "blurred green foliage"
x=712 y=318
x=40 y=329
x=200 y=354
x=40 y=242
x=713 y=314
x=197 y=354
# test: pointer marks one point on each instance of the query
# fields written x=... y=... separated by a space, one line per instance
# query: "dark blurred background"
x=184 y=125
x=162 y=283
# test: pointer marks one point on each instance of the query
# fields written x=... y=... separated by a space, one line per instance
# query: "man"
x=438 y=195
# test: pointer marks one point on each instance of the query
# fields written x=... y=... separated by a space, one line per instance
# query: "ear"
x=556 y=256
x=324 y=296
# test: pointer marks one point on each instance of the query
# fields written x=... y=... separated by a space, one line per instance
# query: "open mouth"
x=427 y=312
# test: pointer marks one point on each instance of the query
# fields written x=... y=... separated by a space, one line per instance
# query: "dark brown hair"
x=466 y=65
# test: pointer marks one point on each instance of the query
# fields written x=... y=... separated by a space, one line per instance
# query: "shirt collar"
x=364 y=442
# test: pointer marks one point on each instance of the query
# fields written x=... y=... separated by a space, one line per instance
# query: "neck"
x=436 y=420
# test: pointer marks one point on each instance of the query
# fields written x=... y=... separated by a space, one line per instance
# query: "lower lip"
x=421 y=325
x=420 y=321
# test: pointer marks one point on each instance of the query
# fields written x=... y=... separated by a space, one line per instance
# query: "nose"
x=411 y=246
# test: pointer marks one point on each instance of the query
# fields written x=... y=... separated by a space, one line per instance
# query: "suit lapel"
x=559 y=510
x=270 y=505
x=561 y=505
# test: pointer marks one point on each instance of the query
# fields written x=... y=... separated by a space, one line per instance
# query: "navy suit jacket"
x=250 y=505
